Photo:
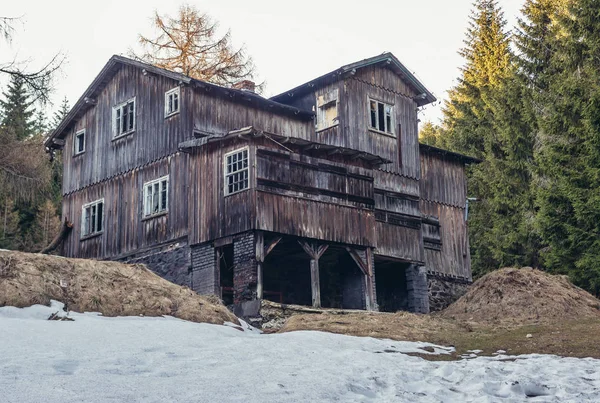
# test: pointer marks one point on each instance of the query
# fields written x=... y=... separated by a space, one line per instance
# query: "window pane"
x=175 y=102
x=388 y=118
x=131 y=112
x=155 y=198
x=118 y=120
x=373 y=114
x=380 y=116
x=148 y=202
x=170 y=100
x=100 y=213
x=86 y=221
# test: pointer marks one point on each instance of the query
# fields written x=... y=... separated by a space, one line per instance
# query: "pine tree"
x=17 y=115
x=568 y=194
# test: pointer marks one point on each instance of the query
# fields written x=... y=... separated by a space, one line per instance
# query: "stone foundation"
x=204 y=276
x=245 y=271
x=170 y=261
x=445 y=290
x=417 y=289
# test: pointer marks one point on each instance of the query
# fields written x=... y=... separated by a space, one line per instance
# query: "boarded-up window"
x=236 y=171
x=92 y=218
x=381 y=116
x=156 y=196
x=327 y=110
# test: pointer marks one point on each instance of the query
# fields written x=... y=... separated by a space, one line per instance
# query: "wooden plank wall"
x=217 y=115
x=212 y=214
x=154 y=136
x=125 y=230
x=443 y=195
x=314 y=198
x=353 y=129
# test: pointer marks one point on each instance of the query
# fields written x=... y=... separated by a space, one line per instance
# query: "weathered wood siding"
x=212 y=214
x=154 y=136
x=125 y=229
x=443 y=195
x=353 y=110
x=314 y=198
x=217 y=115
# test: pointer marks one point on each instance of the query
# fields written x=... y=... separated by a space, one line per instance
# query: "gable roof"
x=386 y=60
x=88 y=98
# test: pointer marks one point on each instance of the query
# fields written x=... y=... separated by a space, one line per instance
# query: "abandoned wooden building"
x=319 y=196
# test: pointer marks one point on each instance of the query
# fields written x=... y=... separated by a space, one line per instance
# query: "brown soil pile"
x=114 y=289
x=523 y=296
x=396 y=326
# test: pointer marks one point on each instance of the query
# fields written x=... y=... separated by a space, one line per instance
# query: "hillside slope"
x=111 y=288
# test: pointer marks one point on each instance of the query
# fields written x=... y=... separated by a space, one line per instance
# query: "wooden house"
x=321 y=195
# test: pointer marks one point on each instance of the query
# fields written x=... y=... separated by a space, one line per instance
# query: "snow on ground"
x=134 y=359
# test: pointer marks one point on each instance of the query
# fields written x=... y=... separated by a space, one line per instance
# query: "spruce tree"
x=430 y=134
x=568 y=193
x=17 y=114
x=60 y=114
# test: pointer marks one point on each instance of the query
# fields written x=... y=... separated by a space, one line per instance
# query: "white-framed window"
x=236 y=171
x=381 y=116
x=327 y=110
x=156 y=196
x=79 y=143
x=92 y=215
x=172 y=102
x=124 y=118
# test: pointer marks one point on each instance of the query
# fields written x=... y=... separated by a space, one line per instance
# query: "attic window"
x=124 y=118
x=172 y=102
x=381 y=116
x=79 y=143
x=327 y=110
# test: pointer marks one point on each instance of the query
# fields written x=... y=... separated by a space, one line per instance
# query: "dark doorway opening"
x=390 y=280
x=341 y=280
x=225 y=256
x=286 y=274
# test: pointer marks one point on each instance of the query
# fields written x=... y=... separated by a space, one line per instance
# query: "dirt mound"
x=114 y=289
x=521 y=296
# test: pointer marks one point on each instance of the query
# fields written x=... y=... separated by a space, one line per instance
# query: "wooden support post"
x=315 y=252
x=260 y=258
x=366 y=265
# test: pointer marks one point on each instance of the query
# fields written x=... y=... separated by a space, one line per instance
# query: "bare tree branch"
x=189 y=44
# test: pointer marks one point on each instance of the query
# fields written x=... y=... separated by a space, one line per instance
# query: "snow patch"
x=143 y=359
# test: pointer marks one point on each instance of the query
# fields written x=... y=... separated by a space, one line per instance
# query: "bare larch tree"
x=190 y=44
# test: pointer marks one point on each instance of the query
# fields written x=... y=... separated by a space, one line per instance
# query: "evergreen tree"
x=17 y=115
x=431 y=134
x=60 y=114
x=40 y=125
x=467 y=116
x=569 y=152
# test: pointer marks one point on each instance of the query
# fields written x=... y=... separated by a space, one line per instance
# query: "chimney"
x=245 y=85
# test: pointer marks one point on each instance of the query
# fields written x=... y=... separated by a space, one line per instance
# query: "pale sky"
x=291 y=42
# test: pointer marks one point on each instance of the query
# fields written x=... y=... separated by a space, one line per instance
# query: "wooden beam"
x=272 y=244
x=312 y=250
x=366 y=265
